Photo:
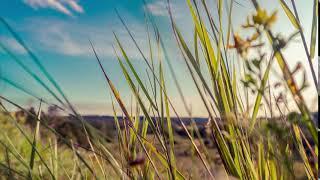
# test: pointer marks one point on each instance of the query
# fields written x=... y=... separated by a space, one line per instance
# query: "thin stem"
x=305 y=44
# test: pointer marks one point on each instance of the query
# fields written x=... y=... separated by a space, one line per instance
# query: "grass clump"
x=250 y=147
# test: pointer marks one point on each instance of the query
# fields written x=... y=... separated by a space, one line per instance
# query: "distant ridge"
x=186 y=120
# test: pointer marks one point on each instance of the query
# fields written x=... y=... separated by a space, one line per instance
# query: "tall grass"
x=249 y=147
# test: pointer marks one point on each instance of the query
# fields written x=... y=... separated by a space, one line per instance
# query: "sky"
x=58 y=32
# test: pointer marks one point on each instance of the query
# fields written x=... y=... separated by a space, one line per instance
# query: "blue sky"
x=58 y=32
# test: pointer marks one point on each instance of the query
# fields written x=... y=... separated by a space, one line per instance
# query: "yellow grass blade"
x=289 y=14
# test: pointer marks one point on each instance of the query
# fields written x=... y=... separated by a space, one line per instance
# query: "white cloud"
x=64 y=6
x=72 y=39
x=160 y=8
x=157 y=8
x=75 y=6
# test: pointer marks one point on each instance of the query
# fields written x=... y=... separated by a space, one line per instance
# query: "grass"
x=249 y=147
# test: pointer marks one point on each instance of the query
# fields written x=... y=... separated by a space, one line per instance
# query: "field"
x=188 y=163
x=255 y=127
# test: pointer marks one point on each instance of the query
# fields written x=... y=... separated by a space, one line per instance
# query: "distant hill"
x=69 y=127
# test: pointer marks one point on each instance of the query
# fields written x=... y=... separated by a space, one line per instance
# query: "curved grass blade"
x=135 y=73
x=32 y=74
x=13 y=170
x=49 y=128
x=28 y=139
x=117 y=96
x=35 y=59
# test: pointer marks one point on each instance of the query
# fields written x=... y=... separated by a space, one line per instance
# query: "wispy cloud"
x=157 y=8
x=160 y=8
x=64 y=6
x=72 y=39
x=12 y=44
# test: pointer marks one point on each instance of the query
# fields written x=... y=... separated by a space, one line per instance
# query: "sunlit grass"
x=249 y=147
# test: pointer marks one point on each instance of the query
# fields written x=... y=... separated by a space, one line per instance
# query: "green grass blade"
x=13 y=170
x=289 y=14
x=138 y=98
x=204 y=37
x=80 y=157
x=169 y=126
x=302 y=151
x=35 y=139
x=30 y=72
x=28 y=139
x=314 y=29
x=37 y=62
x=135 y=73
x=260 y=94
